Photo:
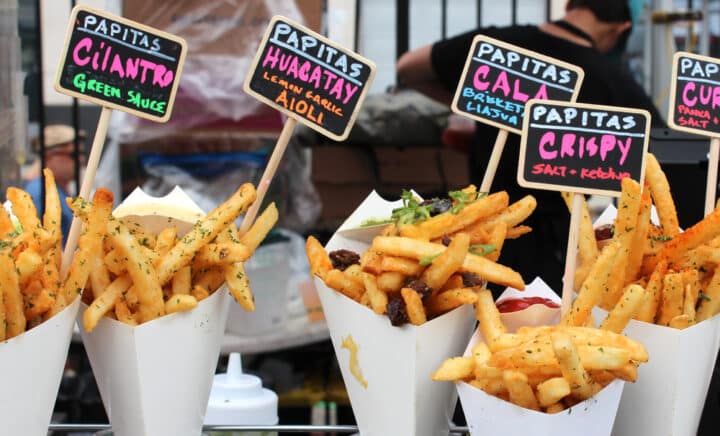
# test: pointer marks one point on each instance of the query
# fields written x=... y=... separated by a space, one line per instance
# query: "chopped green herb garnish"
x=427 y=260
x=661 y=238
x=481 y=249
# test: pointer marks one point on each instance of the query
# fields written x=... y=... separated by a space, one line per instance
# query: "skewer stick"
x=571 y=254
x=494 y=160
x=269 y=173
x=711 y=188
x=86 y=186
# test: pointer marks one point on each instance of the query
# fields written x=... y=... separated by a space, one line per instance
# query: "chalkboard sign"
x=499 y=78
x=582 y=148
x=309 y=78
x=695 y=94
x=120 y=64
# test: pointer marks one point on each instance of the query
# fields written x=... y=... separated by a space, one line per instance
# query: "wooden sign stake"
x=571 y=254
x=86 y=186
x=494 y=160
x=269 y=173
x=711 y=189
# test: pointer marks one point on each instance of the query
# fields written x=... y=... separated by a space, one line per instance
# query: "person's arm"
x=415 y=70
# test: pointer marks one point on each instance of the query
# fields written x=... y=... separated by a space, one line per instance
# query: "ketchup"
x=515 y=304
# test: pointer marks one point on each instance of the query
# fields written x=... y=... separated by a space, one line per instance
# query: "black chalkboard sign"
x=120 y=64
x=695 y=94
x=499 y=78
x=582 y=148
x=309 y=78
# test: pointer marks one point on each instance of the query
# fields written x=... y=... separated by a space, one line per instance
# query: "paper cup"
x=489 y=415
x=669 y=396
x=388 y=378
x=155 y=378
x=31 y=368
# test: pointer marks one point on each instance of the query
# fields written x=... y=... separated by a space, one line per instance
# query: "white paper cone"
x=669 y=395
x=489 y=415
x=399 y=398
x=32 y=365
x=155 y=378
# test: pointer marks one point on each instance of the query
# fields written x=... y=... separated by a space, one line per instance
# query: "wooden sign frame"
x=575 y=189
x=351 y=55
x=673 y=94
x=521 y=51
x=149 y=30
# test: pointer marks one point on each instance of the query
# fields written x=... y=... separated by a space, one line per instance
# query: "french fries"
x=425 y=264
x=544 y=368
x=31 y=289
x=136 y=276
x=669 y=278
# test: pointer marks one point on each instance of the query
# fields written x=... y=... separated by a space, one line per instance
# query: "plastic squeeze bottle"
x=240 y=399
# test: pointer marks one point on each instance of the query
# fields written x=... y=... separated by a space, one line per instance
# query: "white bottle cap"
x=240 y=399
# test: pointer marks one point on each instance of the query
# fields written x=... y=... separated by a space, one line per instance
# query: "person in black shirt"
x=589 y=30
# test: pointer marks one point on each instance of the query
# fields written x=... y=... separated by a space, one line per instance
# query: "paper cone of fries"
x=387 y=369
x=669 y=395
x=489 y=415
x=32 y=365
x=155 y=378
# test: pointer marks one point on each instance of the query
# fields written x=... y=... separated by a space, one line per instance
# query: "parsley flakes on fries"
x=138 y=276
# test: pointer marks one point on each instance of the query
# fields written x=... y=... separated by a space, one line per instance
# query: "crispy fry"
x=390 y=281
x=180 y=303
x=455 y=368
x=260 y=228
x=653 y=296
x=123 y=313
x=448 y=300
x=571 y=366
x=403 y=265
x=637 y=245
x=517 y=231
x=660 y=191
x=691 y=290
x=165 y=240
x=89 y=244
x=552 y=391
x=672 y=298
x=447 y=263
x=414 y=306
x=337 y=280
x=105 y=302
x=681 y=321
x=24 y=210
x=204 y=231
x=488 y=315
x=140 y=269
x=99 y=277
x=370 y=261
x=181 y=281
x=624 y=234
x=624 y=310
x=378 y=299
x=317 y=256
x=705 y=230
x=710 y=303
x=593 y=288
x=28 y=262
x=497 y=239
x=520 y=391
x=52 y=218
x=514 y=214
